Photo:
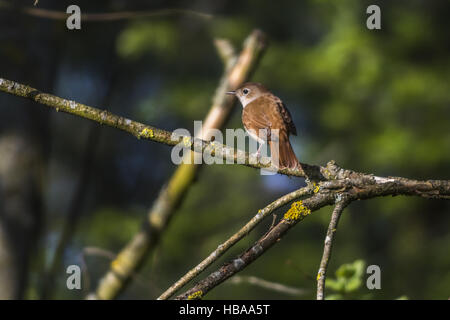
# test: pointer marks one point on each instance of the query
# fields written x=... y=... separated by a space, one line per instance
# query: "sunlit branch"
x=321 y=275
x=359 y=187
x=147 y=132
x=222 y=248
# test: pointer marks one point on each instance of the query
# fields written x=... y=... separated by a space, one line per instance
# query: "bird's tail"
x=284 y=151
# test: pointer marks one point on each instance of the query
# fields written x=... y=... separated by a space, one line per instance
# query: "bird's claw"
x=257 y=155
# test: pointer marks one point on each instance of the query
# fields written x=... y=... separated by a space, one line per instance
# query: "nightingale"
x=262 y=110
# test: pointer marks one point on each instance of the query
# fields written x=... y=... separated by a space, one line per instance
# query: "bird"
x=262 y=110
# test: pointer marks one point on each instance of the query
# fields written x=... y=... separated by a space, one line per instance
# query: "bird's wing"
x=254 y=118
x=286 y=115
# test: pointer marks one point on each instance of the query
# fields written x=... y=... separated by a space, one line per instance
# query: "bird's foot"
x=256 y=155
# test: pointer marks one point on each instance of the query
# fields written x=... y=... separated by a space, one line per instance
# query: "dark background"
x=376 y=101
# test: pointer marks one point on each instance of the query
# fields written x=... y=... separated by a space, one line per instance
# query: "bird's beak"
x=231 y=92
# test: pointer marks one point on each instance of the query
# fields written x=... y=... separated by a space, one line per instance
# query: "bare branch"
x=142 y=131
x=338 y=177
x=269 y=285
x=298 y=211
x=360 y=187
x=107 y=16
x=222 y=248
x=321 y=275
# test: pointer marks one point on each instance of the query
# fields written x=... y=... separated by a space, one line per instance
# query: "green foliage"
x=158 y=37
x=187 y=101
x=101 y=229
x=349 y=279
x=231 y=29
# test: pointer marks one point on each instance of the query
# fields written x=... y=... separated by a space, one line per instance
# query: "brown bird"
x=262 y=110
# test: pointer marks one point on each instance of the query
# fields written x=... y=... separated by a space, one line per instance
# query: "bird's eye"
x=245 y=91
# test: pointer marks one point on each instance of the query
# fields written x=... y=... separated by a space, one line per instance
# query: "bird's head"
x=248 y=92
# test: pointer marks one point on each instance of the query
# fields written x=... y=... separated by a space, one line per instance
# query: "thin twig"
x=98 y=252
x=274 y=219
x=321 y=275
x=92 y=251
x=269 y=285
x=107 y=16
x=222 y=248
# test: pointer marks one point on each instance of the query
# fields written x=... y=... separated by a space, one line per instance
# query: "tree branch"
x=106 y=16
x=430 y=188
x=298 y=211
x=277 y=287
x=142 y=131
x=357 y=186
x=237 y=70
x=321 y=275
x=222 y=248
x=333 y=179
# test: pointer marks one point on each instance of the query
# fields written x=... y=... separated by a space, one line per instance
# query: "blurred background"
x=376 y=101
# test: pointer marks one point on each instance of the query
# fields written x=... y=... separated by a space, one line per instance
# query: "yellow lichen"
x=195 y=295
x=318 y=276
x=187 y=142
x=114 y=264
x=119 y=265
x=146 y=133
x=296 y=211
x=316 y=187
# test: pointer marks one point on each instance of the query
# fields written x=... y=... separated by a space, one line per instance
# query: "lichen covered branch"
x=332 y=227
x=245 y=230
x=349 y=187
x=147 y=132
x=298 y=211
